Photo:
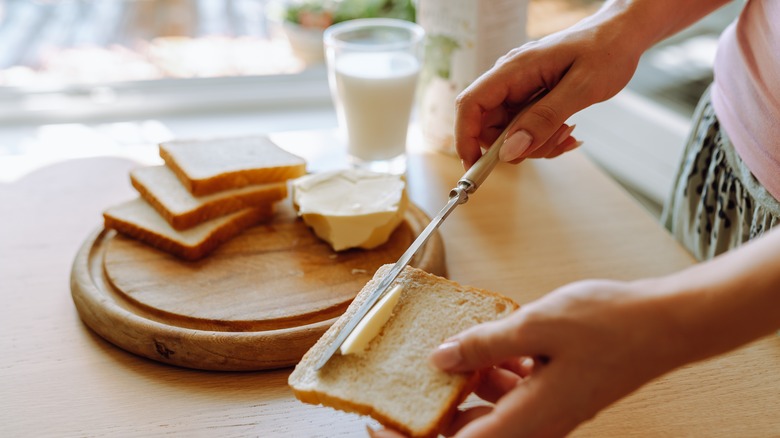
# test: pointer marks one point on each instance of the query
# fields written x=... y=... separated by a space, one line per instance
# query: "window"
x=79 y=58
x=73 y=59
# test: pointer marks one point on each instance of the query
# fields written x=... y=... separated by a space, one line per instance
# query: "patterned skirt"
x=716 y=203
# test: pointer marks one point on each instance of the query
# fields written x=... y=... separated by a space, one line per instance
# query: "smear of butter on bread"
x=351 y=208
x=372 y=323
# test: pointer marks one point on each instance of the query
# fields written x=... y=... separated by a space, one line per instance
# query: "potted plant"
x=304 y=21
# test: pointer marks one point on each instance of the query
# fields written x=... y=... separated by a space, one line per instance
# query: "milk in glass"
x=374 y=95
x=373 y=66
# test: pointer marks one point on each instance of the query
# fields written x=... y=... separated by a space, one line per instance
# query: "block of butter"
x=372 y=323
x=351 y=208
x=463 y=39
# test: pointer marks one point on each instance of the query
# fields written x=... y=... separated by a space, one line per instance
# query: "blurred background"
x=101 y=76
x=84 y=54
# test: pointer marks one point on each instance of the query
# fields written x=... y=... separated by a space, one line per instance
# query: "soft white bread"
x=214 y=165
x=137 y=219
x=159 y=186
x=391 y=380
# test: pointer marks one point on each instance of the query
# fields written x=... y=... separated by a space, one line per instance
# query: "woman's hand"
x=582 y=65
x=558 y=361
x=581 y=347
x=578 y=67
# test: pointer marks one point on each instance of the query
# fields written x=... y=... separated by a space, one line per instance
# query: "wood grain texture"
x=260 y=301
x=529 y=229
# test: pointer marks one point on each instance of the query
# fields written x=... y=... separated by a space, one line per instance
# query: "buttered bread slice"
x=159 y=186
x=210 y=166
x=390 y=380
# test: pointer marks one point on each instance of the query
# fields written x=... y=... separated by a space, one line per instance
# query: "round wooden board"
x=259 y=301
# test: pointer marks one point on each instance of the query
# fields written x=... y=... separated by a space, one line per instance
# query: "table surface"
x=530 y=229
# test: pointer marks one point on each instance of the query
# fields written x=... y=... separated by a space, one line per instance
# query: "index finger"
x=489 y=92
x=488 y=344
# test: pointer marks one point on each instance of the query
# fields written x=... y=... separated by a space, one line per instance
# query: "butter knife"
x=467 y=184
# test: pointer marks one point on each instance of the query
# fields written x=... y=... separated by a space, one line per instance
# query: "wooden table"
x=530 y=229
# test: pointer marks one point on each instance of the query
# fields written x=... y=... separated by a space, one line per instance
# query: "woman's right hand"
x=558 y=361
x=585 y=64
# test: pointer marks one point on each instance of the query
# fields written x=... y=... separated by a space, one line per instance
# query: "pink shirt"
x=746 y=92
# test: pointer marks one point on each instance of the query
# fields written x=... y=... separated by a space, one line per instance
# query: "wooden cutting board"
x=258 y=302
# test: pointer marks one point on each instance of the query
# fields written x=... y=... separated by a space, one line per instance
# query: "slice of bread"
x=211 y=166
x=391 y=380
x=137 y=219
x=159 y=186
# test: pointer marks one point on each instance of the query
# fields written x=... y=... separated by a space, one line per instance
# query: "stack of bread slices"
x=207 y=192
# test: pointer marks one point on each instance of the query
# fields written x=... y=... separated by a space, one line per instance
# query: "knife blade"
x=467 y=185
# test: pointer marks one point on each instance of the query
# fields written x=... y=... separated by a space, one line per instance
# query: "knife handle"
x=476 y=175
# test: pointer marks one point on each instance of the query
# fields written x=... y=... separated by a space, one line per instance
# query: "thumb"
x=480 y=346
x=536 y=124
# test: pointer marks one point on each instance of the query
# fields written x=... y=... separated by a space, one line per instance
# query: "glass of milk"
x=373 y=67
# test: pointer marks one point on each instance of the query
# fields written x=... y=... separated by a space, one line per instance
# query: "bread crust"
x=219 y=180
x=449 y=409
x=170 y=243
x=211 y=207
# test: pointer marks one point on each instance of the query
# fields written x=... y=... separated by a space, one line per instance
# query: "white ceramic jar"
x=464 y=38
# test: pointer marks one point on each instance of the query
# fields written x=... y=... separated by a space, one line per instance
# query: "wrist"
x=639 y=24
x=719 y=305
x=666 y=336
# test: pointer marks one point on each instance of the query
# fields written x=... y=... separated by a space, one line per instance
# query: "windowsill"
x=163 y=96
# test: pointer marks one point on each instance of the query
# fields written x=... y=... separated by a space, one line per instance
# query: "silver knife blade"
x=458 y=195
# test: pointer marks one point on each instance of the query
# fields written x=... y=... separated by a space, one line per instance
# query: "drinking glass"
x=373 y=66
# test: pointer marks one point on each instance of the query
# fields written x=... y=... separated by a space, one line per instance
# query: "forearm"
x=722 y=304
x=642 y=23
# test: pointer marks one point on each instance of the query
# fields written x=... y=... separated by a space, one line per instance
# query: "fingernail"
x=574 y=146
x=463 y=164
x=564 y=135
x=447 y=355
x=514 y=146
